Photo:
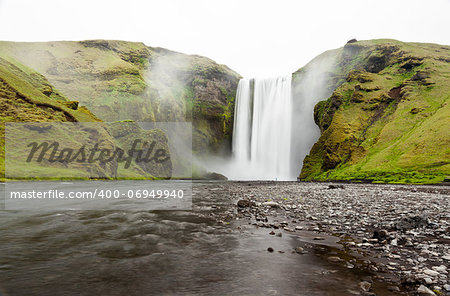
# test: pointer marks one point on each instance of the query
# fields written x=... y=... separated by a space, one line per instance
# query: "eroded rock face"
x=120 y=80
x=382 y=91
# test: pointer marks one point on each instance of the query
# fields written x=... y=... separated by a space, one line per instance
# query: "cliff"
x=120 y=80
x=43 y=114
x=387 y=117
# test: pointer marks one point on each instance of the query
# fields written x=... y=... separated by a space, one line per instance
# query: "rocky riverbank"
x=400 y=232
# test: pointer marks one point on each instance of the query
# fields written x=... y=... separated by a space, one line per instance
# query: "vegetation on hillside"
x=27 y=97
x=388 y=118
x=120 y=80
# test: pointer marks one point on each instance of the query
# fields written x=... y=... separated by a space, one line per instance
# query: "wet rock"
x=271 y=204
x=336 y=186
x=422 y=290
x=411 y=222
x=441 y=268
x=365 y=286
x=380 y=234
x=430 y=272
x=393 y=288
x=215 y=176
x=243 y=203
x=299 y=250
x=334 y=259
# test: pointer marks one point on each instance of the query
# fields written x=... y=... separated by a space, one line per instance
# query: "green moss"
x=387 y=126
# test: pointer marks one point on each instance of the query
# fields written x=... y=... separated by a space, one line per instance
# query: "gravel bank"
x=402 y=231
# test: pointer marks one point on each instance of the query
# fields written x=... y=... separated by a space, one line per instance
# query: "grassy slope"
x=26 y=96
x=388 y=118
x=121 y=80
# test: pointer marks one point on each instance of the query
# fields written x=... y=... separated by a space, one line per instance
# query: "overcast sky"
x=256 y=38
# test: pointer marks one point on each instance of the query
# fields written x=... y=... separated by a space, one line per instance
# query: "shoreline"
x=400 y=231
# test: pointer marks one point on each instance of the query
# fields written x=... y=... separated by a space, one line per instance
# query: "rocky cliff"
x=120 y=80
x=388 y=116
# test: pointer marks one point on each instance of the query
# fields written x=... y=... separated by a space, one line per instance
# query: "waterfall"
x=274 y=126
x=262 y=130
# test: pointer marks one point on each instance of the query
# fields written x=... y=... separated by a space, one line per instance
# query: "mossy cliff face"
x=27 y=96
x=120 y=80
x=387 y=119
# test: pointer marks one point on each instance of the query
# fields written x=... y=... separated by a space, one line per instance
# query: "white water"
x=262 y=130
x=274 y=125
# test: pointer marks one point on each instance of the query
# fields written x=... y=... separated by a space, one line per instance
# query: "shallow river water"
x=137 y=252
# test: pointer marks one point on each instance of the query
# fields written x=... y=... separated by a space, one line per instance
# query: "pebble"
x=422 y=290
x=393 y=288
x=334 y=259
x=300 y=250
x=365 y=286
x=270 y=204
x=431 y=272
x=441 y=268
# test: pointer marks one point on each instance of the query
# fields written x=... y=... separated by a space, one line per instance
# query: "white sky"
x=256 y=38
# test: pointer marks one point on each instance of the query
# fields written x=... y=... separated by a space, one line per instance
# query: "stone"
x=299 y=250
x=430 y=272
x=365 y=286
x=422 y=290
x=243 y=203
x=270 y=204
x=393 y=288
x=441 y=268
x=411 y=222
x=336 y=186
x=334 y=259
x=269 y=249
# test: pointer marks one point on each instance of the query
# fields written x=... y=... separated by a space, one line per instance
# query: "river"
x=183 y=252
